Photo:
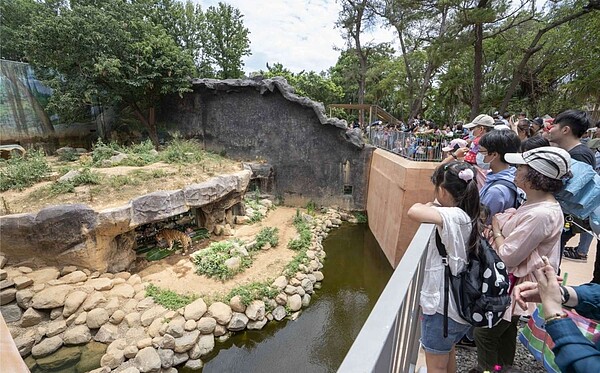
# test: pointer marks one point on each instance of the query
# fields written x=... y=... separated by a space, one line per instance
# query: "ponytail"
x=458 y=178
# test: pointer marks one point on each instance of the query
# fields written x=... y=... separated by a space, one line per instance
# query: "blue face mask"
x=471 y=135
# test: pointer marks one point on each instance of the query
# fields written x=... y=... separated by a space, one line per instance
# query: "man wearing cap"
x=566 y=132
x=481 y=125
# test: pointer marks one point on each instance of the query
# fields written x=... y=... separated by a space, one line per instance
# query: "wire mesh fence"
x=415 y=146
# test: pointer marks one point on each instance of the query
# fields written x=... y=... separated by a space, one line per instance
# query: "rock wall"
x=104 y=240
x=313 y=157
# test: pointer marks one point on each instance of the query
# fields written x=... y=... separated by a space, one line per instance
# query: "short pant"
x=432 y=333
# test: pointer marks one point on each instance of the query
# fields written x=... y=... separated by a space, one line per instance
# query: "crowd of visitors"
x=479 y=191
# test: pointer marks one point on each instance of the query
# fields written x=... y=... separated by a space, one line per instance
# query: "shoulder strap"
x=444 y=254
x=510 y=185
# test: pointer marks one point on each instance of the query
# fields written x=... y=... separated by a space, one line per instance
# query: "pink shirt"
x=530 y=232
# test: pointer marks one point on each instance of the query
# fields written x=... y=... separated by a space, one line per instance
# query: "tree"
x=109 y=51
x=534 y=47
x=355 y=17
x=422 y=26
x=226 y=40
x=316 y=86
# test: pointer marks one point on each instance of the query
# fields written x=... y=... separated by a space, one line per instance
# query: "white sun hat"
x=547 y=160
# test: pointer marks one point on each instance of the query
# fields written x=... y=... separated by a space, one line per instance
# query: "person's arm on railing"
x=457 y=155
x=425 y=213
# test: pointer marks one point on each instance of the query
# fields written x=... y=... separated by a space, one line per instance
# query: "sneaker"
x=467 y=344
x=524 y=318
x=574 y=256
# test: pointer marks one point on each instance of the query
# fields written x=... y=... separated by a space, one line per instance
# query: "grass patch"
x=22 y=172
x=252 y=291
x=304 y=234
x=211 y=261
x=294 y=265
x=68 y=155
x=167 y=298
x=182 y=151
x=266 y=235
x=311 y=208
x=118 y=181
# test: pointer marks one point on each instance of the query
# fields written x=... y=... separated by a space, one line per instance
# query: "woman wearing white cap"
x=521 y=238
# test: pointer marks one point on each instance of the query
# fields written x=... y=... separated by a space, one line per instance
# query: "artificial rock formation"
x=310 y=156
x=104 y=240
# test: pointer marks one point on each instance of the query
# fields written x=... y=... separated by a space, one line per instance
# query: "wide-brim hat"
x=460 y=142
x=549 y=161
x=481 y=120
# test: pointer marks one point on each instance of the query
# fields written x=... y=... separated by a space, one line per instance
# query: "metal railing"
x=389 y=339
x=414 y=146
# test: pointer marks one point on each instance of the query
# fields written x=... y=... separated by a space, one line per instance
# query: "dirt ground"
x=110 y=193
x=177 y=271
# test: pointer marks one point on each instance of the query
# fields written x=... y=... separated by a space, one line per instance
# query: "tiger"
x=172 y=235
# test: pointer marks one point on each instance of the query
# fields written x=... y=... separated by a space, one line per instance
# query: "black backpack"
x=480 y=290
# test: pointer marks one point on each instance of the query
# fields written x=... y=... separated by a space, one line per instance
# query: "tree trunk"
x=534 y=48
x=477 y=71
x=149 y=123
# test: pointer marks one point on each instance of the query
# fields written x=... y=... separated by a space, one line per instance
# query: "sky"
x=300 y=34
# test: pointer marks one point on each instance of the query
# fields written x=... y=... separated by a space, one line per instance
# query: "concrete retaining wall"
x=395 y=184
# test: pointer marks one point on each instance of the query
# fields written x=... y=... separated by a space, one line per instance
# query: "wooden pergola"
x=374 y=112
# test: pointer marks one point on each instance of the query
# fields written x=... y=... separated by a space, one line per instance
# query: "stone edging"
x=72 y=307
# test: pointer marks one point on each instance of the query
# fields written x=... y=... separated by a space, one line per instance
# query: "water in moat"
x=356 y=271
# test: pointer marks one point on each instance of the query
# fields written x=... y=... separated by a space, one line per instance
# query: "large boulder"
x=206 y=325
x=73 y=301
x=256 y=310
x=195 y=310
x=185 y=343
x=11 y=312
x=220 y=312
x=78 y=335
x=60 y=359
x=96 y=318
x=149 y=315
x=147 y=360
x=157 y=206
x=238 y=322
x=46 y=347
x=107 y=333
x=51 y=297
x=31 y=317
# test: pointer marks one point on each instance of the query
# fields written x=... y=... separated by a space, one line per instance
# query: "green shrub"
x=292 y=267
x=169 y=299
x=87 y=177
x=360 y=217
x=182 y=151
x=252 y=291
x=102 y=151
x=69 y=155
x=267 y=235
x=211 y=261
x=311 y=207
x=61 y=187
x=118 y=181
x=304 y=234
x=22 y=172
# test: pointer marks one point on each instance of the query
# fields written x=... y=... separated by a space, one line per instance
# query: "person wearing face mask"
x=481 y=125
x=499 y=191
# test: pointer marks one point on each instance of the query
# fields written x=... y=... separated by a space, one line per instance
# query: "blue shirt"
x=573 y=352
x=497 y=197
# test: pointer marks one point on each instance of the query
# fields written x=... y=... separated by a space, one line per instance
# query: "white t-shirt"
x=455 y=235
